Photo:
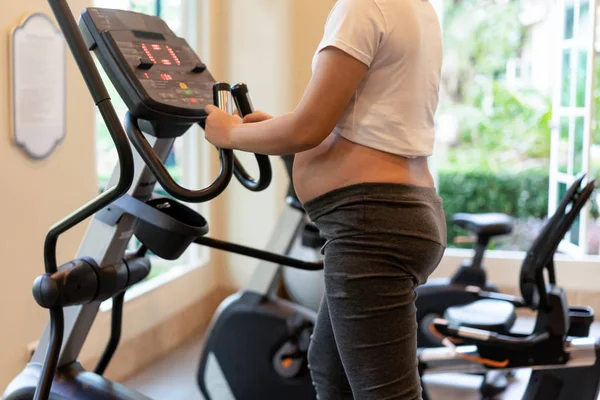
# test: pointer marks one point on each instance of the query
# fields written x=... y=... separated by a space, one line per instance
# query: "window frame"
x=576 y=45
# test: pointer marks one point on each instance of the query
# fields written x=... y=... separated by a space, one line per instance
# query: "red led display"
x=166 y=77
x=173 y=55
x=159 y=54
x=150 y=56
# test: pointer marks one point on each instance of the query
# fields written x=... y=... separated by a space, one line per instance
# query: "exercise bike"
x=443 y=296
x=439 y=294
x=565 y=361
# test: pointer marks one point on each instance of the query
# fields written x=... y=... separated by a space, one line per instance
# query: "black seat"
x=491 y=315
x=489 y=224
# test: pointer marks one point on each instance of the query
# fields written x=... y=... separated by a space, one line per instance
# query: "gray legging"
x=383 y=240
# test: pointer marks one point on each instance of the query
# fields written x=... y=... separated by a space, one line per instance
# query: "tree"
x=500 y=127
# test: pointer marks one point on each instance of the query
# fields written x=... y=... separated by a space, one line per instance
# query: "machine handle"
x=259 y=254
x=483 y=337
x=539 y=257
x=242 y=99
x=484 y=294
x=83 y=58
x=244 y=105
x=96 y=87
x=221 y=95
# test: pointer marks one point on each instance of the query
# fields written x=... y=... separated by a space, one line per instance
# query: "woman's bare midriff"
x=337 y=163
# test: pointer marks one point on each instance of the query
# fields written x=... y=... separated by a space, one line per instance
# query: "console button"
x=198 y=68
x=145 y=64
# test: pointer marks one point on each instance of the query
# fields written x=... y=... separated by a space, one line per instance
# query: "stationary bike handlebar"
x=244 y=105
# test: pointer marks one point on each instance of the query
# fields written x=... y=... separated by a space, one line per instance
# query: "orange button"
x=183 y=85
x=286 y=362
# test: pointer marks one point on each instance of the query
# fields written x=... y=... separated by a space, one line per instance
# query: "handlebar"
x=516 y=301
x=483 y=337
x=539 y=257
x=259 y=254
x=243 y=102
x=155 y=164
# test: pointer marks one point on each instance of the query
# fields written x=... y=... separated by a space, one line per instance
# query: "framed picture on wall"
x=38 y=77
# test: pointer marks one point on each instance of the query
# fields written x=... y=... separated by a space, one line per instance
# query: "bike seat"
x=489 y=224
x=490 y=315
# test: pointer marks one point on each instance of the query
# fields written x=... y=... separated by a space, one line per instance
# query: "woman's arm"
x=336 y=78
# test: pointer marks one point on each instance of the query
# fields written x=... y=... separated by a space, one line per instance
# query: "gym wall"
x=35 y=195
x=270 y=45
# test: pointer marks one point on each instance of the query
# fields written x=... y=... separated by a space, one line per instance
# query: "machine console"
x=158 y=75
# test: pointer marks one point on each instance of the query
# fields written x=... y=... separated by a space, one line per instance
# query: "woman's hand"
x=219 y=127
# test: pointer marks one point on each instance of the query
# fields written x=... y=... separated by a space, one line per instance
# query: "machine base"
x=70 y=383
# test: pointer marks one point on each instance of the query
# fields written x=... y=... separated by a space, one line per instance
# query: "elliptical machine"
x=164 y=101
x=565 y=361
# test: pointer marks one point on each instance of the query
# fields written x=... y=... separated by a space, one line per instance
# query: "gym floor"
x=174 y=378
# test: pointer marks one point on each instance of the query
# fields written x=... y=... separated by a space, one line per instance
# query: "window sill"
x=150 y=285
x=503 y=268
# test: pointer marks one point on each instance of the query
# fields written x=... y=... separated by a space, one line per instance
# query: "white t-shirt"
x=400 y=41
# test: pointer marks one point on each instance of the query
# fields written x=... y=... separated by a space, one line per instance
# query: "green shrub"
x=521 y=195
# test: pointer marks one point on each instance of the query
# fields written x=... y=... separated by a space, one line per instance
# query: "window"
x=511 y=135
x=183 y=161
x=573 y=107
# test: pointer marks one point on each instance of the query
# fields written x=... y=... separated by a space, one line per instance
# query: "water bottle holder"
x=165 y=226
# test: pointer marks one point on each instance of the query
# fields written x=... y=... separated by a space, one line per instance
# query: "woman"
x=362 y=134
